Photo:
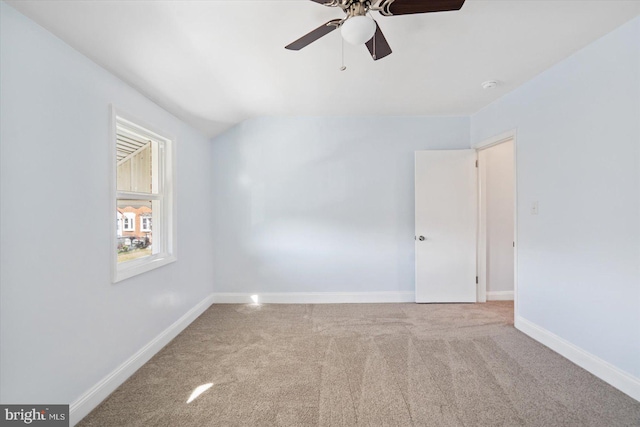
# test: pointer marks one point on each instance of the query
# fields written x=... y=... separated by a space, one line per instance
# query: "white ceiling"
x=216 y=63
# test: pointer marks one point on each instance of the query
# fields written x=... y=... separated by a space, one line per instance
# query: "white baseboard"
x=500 y=296
x=312 y=297
x=607 y=372
x=96 y=394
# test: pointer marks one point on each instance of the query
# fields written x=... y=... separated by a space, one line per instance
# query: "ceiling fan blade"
x=378 y=46
x=314 y=35
x=407 y=7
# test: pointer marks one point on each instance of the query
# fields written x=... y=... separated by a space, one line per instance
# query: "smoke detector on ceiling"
x=489 y=84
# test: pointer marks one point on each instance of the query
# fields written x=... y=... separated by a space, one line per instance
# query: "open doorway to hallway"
x=497 y=219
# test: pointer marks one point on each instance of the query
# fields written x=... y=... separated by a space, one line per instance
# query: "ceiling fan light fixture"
x=358 y=29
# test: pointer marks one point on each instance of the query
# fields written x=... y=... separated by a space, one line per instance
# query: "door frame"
x=510 y=135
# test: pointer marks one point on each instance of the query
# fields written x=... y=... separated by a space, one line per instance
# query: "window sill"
x=136 y=267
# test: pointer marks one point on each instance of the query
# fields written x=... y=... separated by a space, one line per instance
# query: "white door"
x=446 y=208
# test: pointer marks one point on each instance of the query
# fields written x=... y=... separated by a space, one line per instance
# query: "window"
x=128 y=219
x=143 y=196
x=145 y=223
x=119 y=224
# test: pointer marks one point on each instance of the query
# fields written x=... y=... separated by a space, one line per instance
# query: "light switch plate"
x=534 y=208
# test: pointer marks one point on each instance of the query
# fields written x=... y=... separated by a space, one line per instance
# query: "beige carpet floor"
x=362 y=365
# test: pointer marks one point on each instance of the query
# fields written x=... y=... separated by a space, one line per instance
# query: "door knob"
x=421 y=238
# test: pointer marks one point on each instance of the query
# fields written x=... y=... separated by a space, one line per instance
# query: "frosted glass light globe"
x=358 y=29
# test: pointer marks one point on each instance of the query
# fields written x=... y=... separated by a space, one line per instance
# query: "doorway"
x=465 y=229
x=496 y=220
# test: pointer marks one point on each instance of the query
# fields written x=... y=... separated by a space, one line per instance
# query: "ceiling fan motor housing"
x=357 y=8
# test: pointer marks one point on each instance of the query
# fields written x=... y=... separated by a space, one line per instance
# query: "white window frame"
x=132 y=221
x=119 y=223
x=164 y=214
x=142 y=223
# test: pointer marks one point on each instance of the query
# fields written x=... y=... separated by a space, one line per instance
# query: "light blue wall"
x=312 y=204
x=63 y=325
x=578 y=155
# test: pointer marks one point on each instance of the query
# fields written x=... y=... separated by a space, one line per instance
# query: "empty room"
x=320 y=213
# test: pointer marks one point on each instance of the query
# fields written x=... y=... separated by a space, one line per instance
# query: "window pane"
x=137 y=163
x=135 y=229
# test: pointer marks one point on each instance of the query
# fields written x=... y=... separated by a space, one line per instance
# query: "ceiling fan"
x=358 y=28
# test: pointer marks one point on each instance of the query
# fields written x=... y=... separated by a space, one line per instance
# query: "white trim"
x=607 y=372
x=90 y=399
x=142 y=265
x=144 y=228
x=313 y=297
x=500 y=296
x=516 y=311
x=131 y=217
x=132 y=195
x=481 y=238
x=495 y=140
x=113 y=189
